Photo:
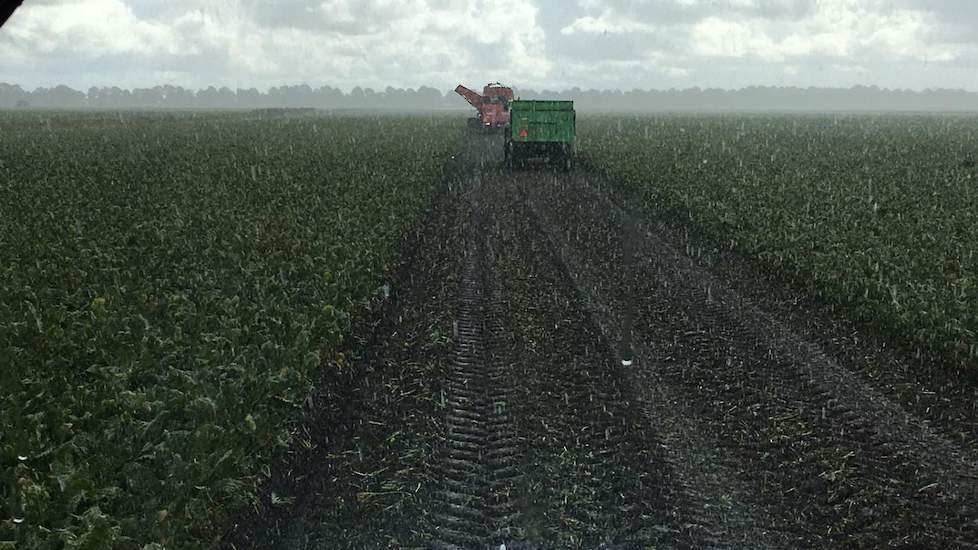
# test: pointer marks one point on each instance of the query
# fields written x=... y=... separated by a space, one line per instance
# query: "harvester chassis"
x=518 y=154
x=476 y=125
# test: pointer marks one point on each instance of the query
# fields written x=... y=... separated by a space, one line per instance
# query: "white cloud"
x=666 y=64
x=75 y=27
x=606 y=23
x=715 y=37
x=730 y=43
x=837 y=28
x=675 y=72
x=849 y=68
x=404 y=43
x=407 y=43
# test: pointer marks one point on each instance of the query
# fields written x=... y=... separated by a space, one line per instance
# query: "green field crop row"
x=877 y=212
x=168 y=285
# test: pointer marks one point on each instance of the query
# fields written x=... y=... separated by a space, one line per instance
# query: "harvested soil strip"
x=477 y=462
x=854 y=469
x=593 y=474
x=710 y=506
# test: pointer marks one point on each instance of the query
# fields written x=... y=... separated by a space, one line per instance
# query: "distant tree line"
x=176 y=97
x=759 y=98
x=767 y=98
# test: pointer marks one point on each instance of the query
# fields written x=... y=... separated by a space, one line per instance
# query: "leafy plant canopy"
x=169 y=284
x=877 y=212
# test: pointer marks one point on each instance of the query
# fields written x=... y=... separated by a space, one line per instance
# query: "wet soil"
x=486 y=401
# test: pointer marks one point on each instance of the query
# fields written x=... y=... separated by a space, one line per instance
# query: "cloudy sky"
x=554 y=44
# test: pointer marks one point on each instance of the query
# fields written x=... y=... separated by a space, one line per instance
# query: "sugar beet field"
x=347 y=331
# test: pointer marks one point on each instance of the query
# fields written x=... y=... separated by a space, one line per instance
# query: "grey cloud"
x=671 y=11
x=609 y=47
x=731 y=43
x=362 y=17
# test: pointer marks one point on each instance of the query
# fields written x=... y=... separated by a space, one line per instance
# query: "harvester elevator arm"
x=473 y=98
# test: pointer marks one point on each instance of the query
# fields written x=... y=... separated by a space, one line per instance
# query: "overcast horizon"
x=529 y=44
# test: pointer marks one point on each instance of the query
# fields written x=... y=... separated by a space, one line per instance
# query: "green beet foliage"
x=168 y=285
x=879 y=213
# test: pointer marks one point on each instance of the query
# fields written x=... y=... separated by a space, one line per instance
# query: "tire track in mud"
x=719 y=510
x=707 y=510
x=575 y=464
x=842 y=380
x=477 y=462
x=592 y=465
x=832 y=460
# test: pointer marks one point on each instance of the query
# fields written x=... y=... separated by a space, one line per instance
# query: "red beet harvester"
x=492 y=105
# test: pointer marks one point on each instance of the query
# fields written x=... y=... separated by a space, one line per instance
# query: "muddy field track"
x=488 y=403
x=477 y=462
x=831 y=459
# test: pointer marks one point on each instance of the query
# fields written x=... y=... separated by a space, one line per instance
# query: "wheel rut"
x=832 y=462
x=594 y=474
x=478 y=462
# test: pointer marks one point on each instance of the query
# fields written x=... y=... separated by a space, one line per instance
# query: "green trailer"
x=541 y=130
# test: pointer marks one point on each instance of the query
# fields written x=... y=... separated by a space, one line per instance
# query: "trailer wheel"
x=515 y=157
